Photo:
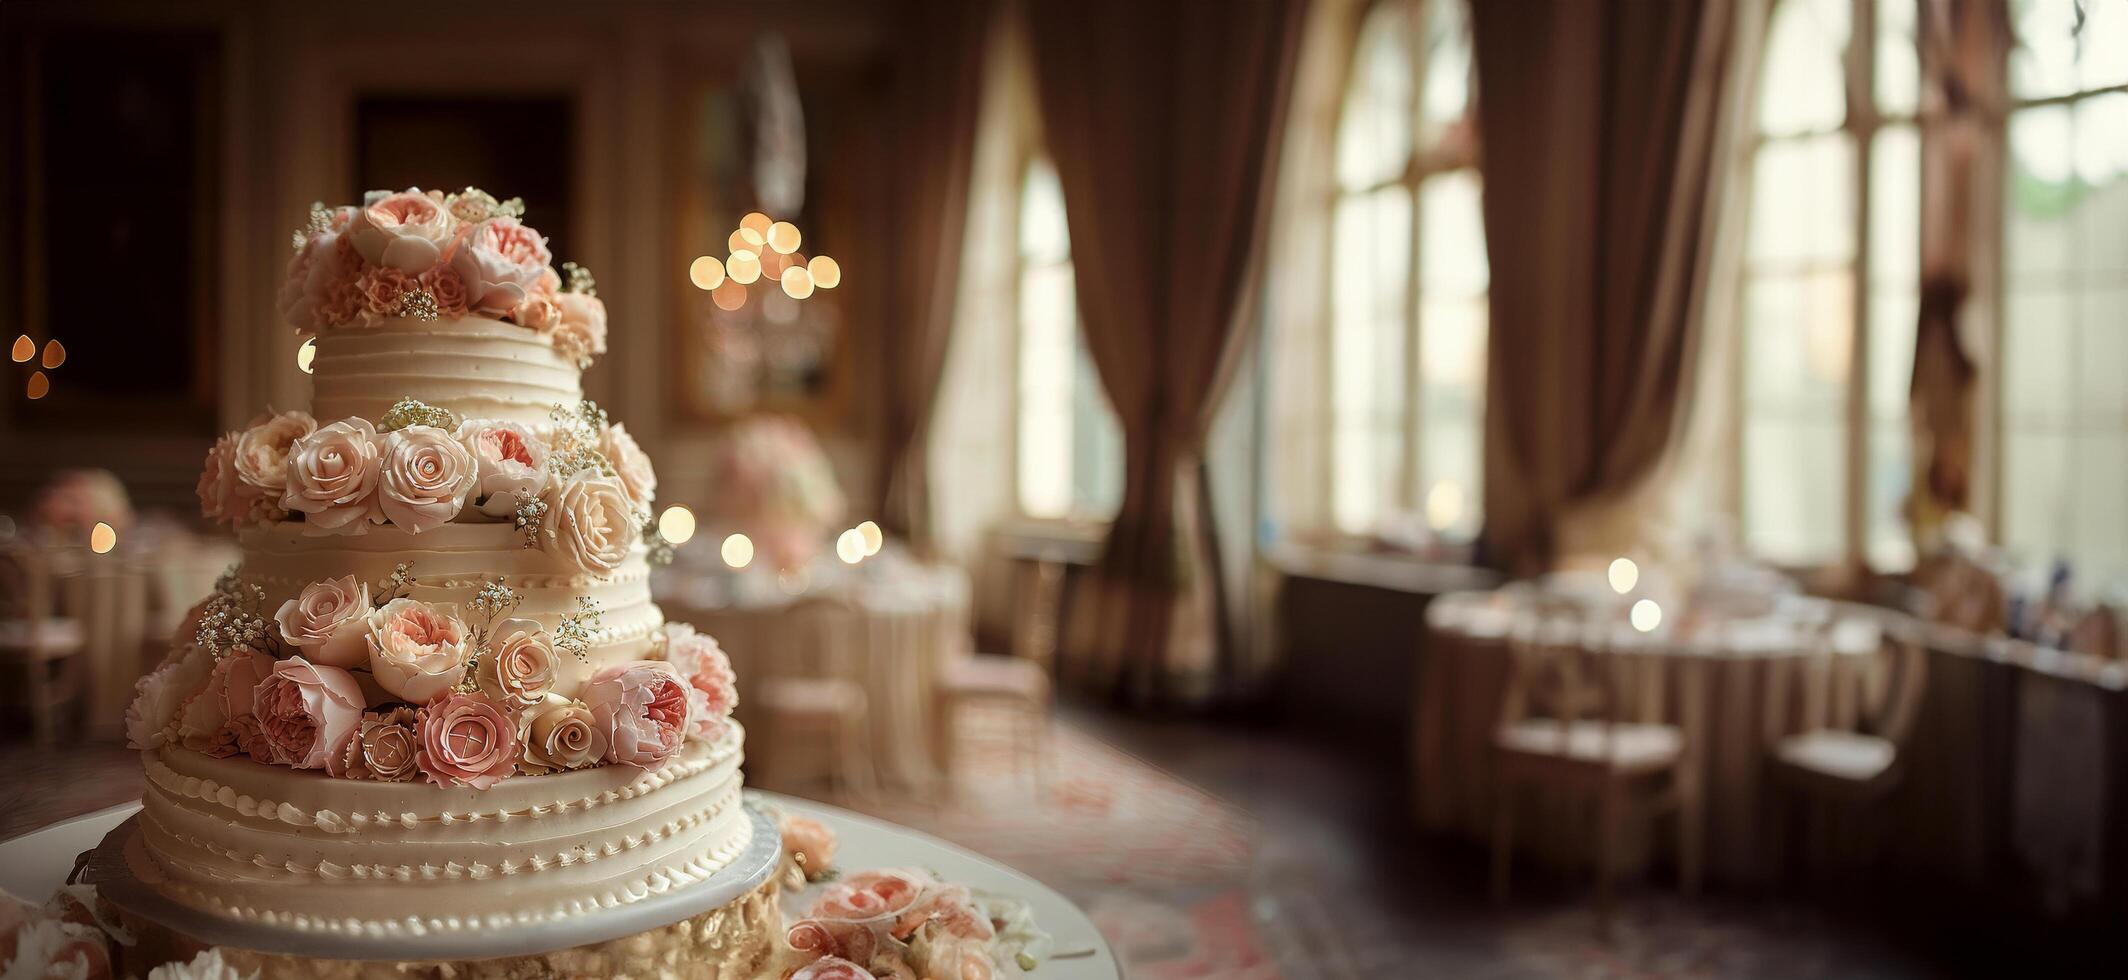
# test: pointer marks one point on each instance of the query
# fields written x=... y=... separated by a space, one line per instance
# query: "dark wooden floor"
x=1345 y=888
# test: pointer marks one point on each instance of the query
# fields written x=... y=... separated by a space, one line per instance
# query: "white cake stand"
x=108 y=869
x=34 y=864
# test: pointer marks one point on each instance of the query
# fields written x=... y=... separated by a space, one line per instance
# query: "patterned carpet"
x=1159 y=865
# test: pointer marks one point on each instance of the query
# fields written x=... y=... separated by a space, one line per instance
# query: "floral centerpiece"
x=77 y=500
x=775 y=485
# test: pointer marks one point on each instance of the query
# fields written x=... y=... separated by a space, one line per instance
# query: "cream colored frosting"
x=300 y=849
x=476 y=367
x=450 y=563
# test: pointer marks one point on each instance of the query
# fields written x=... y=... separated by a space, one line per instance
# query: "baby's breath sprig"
x=661 y=551
x=495 y=600
x=531 y=518
x=397 y=584
x=577 y=279
x=234 y=618
x=413 y=411
x=576 y=630
x=574 y=445
x=319 y=223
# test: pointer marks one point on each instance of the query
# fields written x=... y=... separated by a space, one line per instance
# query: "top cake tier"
x=462 y=263
x=476 y=367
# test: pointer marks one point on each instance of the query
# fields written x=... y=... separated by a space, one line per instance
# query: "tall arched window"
x=1408 y=279
x=1830 y=287
x=2064 y=344
x=1069 y=446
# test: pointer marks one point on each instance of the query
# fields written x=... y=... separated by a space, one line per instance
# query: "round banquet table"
x=909 y=620
x=33 y=865
x=1760 y=678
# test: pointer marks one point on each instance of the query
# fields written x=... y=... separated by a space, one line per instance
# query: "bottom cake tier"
x=296 y=849
x=740 y=941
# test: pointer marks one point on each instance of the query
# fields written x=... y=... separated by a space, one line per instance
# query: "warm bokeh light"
x=783 y=237
x=729 y=296
x=757 y=223
x=706 y=272
x=677 y=524
x=40 y=385
x=25 y=348
x=738 y=242
x=773 y=264
x=1646 y=615
x=1444 y=505
x=54 y=354
x=873 y=538
x=1624 y=575
x=307 y=355
x=744 y=267
x=849 y=546
x=827 y=273
x=797 y=283
x=738 y=551
x=102 y=538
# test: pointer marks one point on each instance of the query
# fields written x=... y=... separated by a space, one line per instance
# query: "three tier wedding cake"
x=436 y=696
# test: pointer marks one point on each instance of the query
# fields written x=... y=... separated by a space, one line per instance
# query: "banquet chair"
x=1845 y=763
x=812 y=705
x=1581 y=716
x=44 y=649
x=1017 y=682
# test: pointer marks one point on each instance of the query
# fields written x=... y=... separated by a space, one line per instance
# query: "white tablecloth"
x=908 y=623
x=31 y=866
x=1753 y=675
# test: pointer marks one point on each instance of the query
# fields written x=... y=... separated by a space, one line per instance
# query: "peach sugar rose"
x=261 y=451
x=510 y=464
x=590 y=522
x=425 y=478
x=417 y=650
x=500 y=261
x=562 y=735
x=333 y=475
x=519 y=669
x=631 y=464
x=641 y=706
x=467 y=740
x=327 y=621
x=405 y=231
x=307 y=711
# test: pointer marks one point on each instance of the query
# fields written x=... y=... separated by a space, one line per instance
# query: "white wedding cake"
x=436 y=696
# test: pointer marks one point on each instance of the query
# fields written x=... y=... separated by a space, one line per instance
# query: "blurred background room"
x=1339 y=488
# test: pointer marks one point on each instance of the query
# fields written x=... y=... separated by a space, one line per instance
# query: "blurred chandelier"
x=761 y=335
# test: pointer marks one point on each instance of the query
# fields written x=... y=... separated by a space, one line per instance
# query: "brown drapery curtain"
x=1163 y=120
x=1964 y=43
x=937 y=87
x=1607 y=128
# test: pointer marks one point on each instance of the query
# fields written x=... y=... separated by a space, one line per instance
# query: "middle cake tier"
x=450 y=564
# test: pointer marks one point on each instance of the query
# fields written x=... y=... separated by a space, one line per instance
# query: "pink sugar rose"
x=642 y=707
x=328 y=621
x=238 y=674
x=877 y=894
x=383 y=289
x=418 y=651
x=220 y=491
x=405 y=231
x=834 y=940
x=425 y=479
x=950 y=909
x=810 y=843
x=631 y=464
x=500 y=261
x=511 y=464
x=520 y=668
x=308 y=711
x=537 y=312
x=466 y=740
x=581 y=331
x=252 y=741
x=590 y=522
x=261 y=451
x=832 y=968
x=333 y=475
x=712 y=686
x=160 y=696
x=444 y=283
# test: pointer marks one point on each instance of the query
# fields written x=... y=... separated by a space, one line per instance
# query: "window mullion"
x=1410 y=479
x=1862 y=129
